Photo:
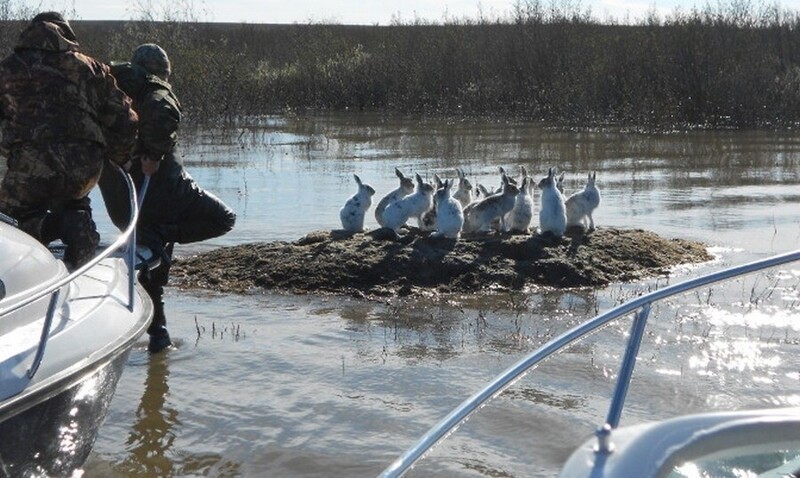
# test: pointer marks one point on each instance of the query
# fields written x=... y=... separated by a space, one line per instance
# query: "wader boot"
x=159 y=337
x=153 y=282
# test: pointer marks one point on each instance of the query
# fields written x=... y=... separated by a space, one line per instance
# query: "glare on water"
x=276 y=385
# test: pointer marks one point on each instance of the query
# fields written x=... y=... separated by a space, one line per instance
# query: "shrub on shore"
x=733 y=65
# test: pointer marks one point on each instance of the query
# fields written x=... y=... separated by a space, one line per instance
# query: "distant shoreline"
x=729 y=66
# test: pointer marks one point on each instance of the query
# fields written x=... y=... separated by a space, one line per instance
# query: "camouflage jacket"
x=49 y=92
x=157 y=106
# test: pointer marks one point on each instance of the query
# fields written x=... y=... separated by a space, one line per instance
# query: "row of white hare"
x=449 y=214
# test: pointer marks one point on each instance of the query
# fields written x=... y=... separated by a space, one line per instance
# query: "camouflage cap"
x=58 y=20
x=152 y=58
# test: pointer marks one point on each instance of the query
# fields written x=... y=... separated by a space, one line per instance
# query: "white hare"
x=406 y=187
x=464 y=192
x=520 y=217
x=353 y=212
x=483 y=191
x=581 y=205
x=415 y=205
x=487 y=211
x=508 y=176
x=428 y=220
x=560 y=182
x=552 y=210
x=449 y=214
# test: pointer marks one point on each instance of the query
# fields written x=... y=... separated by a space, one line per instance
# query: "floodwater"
x=298 y=386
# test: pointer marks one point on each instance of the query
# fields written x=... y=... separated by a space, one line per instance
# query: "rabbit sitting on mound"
x=481 y=216
x=464 y=193
x=352 y=214
x=552 y=212
x=483 y=191
x=560 y=182
x=428 y=221
x=415 y=205
x=520 y=217
x=449 y=215
x=406 y=187
x=581 y=205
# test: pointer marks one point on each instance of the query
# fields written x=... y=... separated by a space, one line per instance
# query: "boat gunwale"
x=55 y=384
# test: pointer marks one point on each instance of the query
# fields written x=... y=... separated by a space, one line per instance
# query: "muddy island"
x=372 y=265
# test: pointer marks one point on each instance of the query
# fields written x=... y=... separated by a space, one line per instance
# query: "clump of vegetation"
x=365 y=265
x=736 y=64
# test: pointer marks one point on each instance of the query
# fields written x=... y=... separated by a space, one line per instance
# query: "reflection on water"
x=318 y=386
x=150 y=447
x=153 y=433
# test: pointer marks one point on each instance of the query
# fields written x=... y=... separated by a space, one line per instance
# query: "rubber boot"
x=159 y=337
x=153 y=282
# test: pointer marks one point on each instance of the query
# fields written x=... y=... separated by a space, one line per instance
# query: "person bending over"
x=175 y=209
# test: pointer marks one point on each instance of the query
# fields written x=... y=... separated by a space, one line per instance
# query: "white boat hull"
x=52 y=409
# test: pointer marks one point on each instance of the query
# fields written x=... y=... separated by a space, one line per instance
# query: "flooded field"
x=305 y=386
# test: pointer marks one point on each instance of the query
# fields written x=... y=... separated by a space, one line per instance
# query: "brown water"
x=285 y=386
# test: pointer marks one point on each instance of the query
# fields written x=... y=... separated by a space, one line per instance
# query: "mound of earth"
x=374 y=265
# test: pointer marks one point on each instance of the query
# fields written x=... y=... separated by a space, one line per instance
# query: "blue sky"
x=365 y=12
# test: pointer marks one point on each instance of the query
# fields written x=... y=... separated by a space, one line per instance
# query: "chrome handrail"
x=27 y=297
x=507 y=378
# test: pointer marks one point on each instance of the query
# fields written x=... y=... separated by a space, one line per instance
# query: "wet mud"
x=376 y=265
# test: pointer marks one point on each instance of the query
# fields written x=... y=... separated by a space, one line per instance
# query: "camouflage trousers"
x=46 y=189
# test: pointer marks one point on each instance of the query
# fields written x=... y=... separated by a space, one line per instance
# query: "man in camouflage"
x=175 y=207
x=61 y=114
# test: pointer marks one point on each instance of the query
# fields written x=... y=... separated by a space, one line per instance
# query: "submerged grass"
x=736 y=64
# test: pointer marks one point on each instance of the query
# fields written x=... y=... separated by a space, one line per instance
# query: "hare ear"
x=358 y=180
x=437 y=180
x=398 y=173
x=550 y=173
x=505 y=178
x=419 y=178
x=524 y=171
x=594 y=175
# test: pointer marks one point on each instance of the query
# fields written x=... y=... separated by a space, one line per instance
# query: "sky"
x=361 y=12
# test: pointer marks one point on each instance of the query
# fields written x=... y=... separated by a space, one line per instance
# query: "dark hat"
x=58 y=20
x=152 y=58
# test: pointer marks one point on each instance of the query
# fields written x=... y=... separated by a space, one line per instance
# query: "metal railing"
x=641 y=307
x=27 y=297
